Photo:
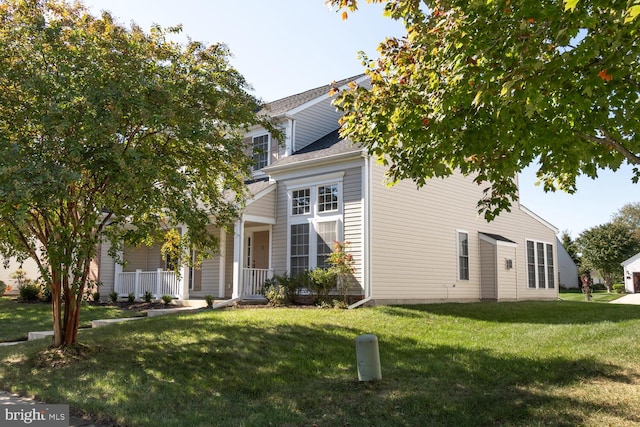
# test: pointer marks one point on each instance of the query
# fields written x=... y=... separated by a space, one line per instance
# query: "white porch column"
x=183 y=280
x=238 y=240
x=222 y=285
x=117 y=270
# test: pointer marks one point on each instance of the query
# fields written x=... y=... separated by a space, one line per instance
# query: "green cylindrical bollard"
x=368 y=358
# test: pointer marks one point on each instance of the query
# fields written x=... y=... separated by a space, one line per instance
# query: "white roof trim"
x=321 y=98
x=303 y=164
x=544 y=222
x=630 y=260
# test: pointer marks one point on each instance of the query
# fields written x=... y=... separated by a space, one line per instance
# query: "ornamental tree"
x=488 y=87
x=604 y=247
x=109 y=132
x=629 y=216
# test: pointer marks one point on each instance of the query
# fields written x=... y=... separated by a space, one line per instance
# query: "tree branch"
x=610 y=142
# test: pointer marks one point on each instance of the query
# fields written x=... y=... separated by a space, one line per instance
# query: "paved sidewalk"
x=628 y=299
x=7 y=398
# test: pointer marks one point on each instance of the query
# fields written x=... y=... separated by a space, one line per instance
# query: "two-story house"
x=409 y=245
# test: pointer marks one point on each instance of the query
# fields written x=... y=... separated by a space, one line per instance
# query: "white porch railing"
x=253 y=279
x=157 y=282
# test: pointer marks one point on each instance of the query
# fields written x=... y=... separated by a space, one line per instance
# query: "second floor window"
x=260 y=152
x=328 y=198
x=301 y=202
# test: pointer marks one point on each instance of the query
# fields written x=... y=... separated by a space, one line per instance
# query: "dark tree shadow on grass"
x=200 y=371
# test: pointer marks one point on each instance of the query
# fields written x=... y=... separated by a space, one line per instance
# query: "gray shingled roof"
x=281 y=106
x=257 y=186
x=327 y=146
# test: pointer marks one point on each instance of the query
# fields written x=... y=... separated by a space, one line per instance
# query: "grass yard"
x=517 y=364
x=18 y=319
x=596 y=296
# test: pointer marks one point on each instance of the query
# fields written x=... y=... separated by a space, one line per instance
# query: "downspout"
x=366 y=247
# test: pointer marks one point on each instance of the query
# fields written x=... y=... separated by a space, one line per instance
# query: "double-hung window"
x=540 y=265
x=327 y=233
x=260 y=148
x=463 y=255
x=299 y=248
x=315 y=221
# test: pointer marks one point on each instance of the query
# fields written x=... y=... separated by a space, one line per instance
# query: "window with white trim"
x=463 y=255
x=260 y=146
x=540 y=265
x=301 y=201
x=315 y=221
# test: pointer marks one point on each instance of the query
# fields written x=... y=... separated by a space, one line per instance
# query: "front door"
x=260 y=258
x=636 y=283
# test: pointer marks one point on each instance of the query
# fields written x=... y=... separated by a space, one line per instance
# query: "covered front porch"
x=239 y=270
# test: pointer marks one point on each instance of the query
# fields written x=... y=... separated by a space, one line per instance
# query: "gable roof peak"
x=283 y=105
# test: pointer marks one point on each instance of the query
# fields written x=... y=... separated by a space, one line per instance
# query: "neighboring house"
x=567 y=268
x=11 y=266
x=409 y=245
x=631 y=271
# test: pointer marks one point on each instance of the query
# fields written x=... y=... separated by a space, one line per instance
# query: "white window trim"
x=536 y=265
x=314 y=216
x=458 y=255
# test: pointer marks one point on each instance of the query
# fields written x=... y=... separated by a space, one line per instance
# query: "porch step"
x=254 y=300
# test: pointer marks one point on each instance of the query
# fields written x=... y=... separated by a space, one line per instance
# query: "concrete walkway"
x=628 y=299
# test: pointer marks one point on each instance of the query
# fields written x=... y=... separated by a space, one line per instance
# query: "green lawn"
x=596 y=296
x=517 y=364
x=18 y=319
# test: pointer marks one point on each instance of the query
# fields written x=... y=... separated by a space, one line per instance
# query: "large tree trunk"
x=66 y=331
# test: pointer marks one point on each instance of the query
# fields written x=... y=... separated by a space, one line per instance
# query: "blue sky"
x=283 y=47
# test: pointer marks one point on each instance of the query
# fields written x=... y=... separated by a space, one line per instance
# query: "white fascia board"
x=306 y=164
x=319 y=168
x=257 y=218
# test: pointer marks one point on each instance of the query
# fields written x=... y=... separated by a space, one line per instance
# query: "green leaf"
x=570 y=5
x=632 y=13
x=476 y=100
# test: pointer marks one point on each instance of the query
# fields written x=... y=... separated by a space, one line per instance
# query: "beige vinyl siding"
x=488 y=273
x=353 y=210
x=145 y=258
x=209 y=270
x=107 y=269
x=279 y=237
x=264 y=207
x=413 y=239
x=315 y=122
x=507 y=278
